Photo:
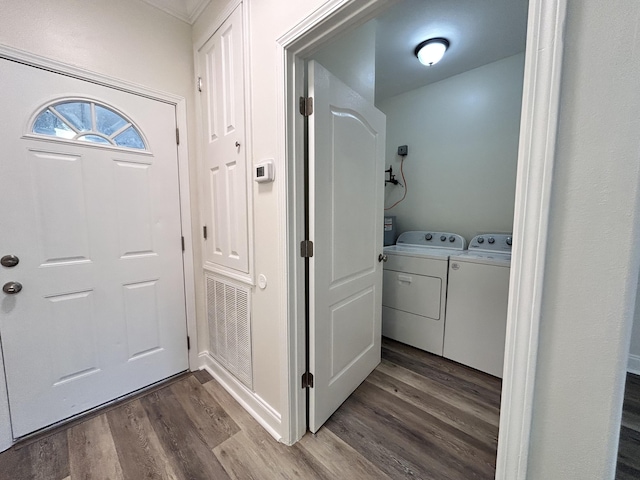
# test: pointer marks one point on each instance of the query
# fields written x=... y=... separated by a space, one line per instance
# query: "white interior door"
x=96 y=228
x=224 y=168
x=346 y=189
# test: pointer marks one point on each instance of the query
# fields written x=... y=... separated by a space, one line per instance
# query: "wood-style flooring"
x=629 y=448
x=417 y=416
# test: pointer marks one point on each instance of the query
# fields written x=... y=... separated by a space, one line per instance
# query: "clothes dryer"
x=477 y=296
x=415 y=288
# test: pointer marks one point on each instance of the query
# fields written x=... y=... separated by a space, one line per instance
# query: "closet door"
x=224 y=169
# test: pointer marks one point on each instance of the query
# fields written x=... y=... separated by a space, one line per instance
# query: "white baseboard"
x=264 y=414
x=634 y=364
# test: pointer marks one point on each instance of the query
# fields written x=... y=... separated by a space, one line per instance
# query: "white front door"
x=96 y=229
x=346 y=190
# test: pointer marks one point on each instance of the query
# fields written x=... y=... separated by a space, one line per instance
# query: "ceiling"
x=479 y=31
x=185 y=10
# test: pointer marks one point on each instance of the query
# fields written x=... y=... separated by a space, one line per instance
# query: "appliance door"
x=476 y=323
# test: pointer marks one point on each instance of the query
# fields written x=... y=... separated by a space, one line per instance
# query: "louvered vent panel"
x=229 y=319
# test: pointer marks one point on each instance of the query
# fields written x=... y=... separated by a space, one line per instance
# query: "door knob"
x=12 y=288
x=9 y=261
x=382 y=257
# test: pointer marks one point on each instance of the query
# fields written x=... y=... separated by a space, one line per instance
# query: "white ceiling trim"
x=186 y=10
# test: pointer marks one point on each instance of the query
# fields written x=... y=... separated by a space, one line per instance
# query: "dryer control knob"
x=452 y=239
x=509 y=241
x=491 y=240
x=480 y=240
x=443 y=238
x=428 y=236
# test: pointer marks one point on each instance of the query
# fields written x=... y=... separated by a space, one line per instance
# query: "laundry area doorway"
x=295 y=53
x=451 y=134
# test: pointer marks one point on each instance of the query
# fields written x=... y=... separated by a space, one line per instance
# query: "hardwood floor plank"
x=628 y=466
x=480 y=430
x=45 y=459
x=139 y=450
x=444 y=365
x=629 y=448
x=187 y=451
x=445 y=393
x=212 y=422
x=239 y=415
x=631 y=407
x=474 y=392
x=241 y=459
x=202 y=376
x=92 y=453
x=455 y=449
x=377 y=445
x=340 y=459
x=270 y=459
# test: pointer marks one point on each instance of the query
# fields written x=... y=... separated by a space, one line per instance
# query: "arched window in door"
x=88 y=121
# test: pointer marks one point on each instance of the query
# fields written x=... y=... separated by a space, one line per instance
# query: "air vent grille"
x=229 y=318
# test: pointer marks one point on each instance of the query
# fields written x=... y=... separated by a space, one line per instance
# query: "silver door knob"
x=11 y=288
x=382 y=257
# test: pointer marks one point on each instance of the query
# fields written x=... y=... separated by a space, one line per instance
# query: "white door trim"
x=180 y=104
x=539 y=120
x=536 y=154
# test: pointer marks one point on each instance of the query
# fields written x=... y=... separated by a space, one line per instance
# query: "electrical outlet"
x=402 y=150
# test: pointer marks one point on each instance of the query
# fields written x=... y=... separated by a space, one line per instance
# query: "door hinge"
x=199 y=84
x=204 y=232
x=306 y=106
x=182 y=243
x=306 y=249
x=188 y=343
x=178 y=136
x=307 y=380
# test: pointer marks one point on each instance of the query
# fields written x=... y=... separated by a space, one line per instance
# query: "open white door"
x=346 y=190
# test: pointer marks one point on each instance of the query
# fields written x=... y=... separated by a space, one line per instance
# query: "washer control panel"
x=432 y=239
x=492 y=242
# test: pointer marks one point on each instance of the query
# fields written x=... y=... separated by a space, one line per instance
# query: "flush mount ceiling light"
x=431 y=51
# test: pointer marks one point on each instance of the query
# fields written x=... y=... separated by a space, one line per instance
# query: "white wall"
x=462 y=134
x=269 y=20
x=593 y=251
x=352 y=58
x=125 y=39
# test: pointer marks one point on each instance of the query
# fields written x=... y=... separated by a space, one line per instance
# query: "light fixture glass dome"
x=431 y=51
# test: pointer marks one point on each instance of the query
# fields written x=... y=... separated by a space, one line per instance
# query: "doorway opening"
x=535 y=155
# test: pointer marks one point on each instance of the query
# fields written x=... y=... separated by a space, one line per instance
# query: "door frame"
x=536 y=153
x=180 y=104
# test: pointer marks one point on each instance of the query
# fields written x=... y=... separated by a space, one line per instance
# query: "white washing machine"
x=478 y=292
x=414 y=289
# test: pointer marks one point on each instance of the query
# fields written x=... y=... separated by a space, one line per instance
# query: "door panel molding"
x=37 y=61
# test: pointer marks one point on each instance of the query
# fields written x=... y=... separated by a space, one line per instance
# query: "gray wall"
x=462 y=134
x=593 y=256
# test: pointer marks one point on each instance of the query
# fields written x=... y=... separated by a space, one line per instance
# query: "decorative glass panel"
x=94 y=139
x=48 y=124
x=87 y=121
x=108 y=121
x=77 y=113
x=129 y=138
